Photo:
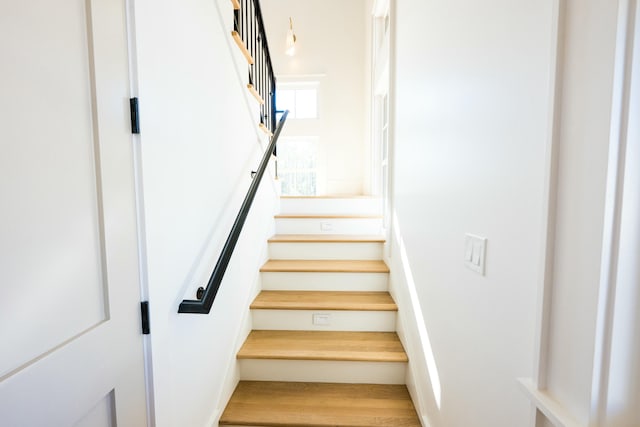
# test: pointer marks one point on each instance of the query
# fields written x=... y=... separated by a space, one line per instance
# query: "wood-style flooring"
x=324 y=300
x=324 y=266
x=279 y=404
x=323 y=345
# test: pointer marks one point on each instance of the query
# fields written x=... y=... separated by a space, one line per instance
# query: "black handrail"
x=203 y=305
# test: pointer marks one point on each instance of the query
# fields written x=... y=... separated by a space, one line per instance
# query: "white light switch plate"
x=475 y=251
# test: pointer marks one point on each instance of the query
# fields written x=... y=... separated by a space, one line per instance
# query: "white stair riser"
x=345 y=206
x=287 y=281
x=323 y=371
x=329 y=226
x=339 y=320
x=327 y=251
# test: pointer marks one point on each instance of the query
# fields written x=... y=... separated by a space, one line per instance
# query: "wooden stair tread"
x=325 y=216
x=325 y=266
x=255 y=93
x=324 y=300
x=242 y=47
x=326 y=238
x=333 y=196
x=264 y=129
x=323 y=345
x=265 y=403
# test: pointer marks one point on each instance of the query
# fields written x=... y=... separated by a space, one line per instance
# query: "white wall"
x=587 y=63
x=590 y=359
x=470 y=99
x=490 y=163
x=623 y=383
x=197 y=147
x=332 y=44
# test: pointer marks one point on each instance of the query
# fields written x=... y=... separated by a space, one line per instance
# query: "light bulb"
x=290 y=40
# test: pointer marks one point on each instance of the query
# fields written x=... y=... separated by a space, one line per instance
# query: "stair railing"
x=248 y=23
x=250 y=34
x=207 y=295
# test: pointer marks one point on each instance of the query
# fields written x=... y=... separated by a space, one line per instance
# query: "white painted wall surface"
x=623 y=391
x=471 y=82
x=594 y=346
x=198 y=145
x=587 y=77
x=332 y=44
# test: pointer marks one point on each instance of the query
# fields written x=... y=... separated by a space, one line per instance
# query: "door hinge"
x=135 y=116
x=144 y=317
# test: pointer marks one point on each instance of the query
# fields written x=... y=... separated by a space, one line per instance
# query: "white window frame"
x=300 y=85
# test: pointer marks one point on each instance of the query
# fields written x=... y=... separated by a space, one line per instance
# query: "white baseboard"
x=418 y=378
x=215 y=418
x=416 y=383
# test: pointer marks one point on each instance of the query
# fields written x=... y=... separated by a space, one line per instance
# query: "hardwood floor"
x=325 y=266
x=257 y=403
x=344 y=371
x=323 y=345
x=326 y=238
x=324 y=216
x=324 y=300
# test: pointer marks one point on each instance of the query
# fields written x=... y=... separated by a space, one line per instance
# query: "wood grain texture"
x=324 y=300
x=326 y=238
x=323 y=345
x=332 y=196
x=325 y=266
x=280 y=404
x=264 y=129
x=324 y=216
x=255 y=93
x=243 y=48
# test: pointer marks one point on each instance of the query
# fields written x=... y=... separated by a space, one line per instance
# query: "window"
x=301 y=99
x=297 y=165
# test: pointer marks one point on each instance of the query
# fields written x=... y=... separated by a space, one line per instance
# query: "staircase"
x=323 y=350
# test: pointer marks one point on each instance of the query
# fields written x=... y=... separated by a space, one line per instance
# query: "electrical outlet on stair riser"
x=321 y=319
x=326 y=226
x=475 y=253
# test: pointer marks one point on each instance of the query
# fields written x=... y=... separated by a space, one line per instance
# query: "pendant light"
x=291 y=40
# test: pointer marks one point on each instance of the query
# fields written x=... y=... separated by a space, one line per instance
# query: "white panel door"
x=70 y=339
